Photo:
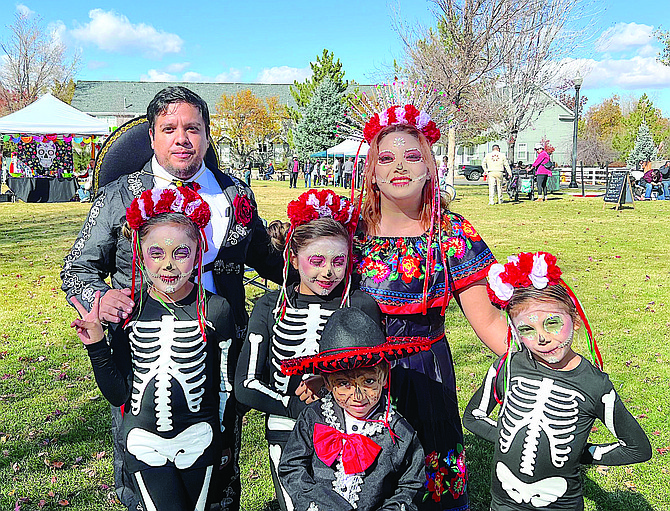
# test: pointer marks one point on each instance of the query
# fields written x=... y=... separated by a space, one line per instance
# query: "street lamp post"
x=573 y=174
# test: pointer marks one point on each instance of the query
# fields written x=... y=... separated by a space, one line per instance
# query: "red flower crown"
x=157 y=201
x=323 y=203
x=407 y=114
x=524 y=270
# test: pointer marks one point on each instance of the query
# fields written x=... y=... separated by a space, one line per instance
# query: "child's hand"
x=89 y=328
x=309 y=390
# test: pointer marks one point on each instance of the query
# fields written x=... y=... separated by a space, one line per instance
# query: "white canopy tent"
x=49 y=115
x=348 y=148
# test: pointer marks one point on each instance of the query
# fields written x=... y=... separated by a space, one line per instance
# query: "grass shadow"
x=619 y=500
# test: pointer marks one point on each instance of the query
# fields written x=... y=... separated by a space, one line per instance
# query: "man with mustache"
x=178 y=124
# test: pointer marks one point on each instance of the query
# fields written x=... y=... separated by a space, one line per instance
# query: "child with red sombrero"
x=351 y=449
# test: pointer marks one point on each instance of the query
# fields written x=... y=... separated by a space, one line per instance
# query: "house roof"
x=132 y=98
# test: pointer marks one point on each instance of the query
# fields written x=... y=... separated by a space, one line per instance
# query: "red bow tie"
x=358 y=451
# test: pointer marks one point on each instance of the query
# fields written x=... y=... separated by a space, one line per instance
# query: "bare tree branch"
x=36 y=62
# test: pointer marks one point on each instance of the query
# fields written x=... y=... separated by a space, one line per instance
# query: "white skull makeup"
x=46 y=152
x=547 y=331
x=322 y=265
x=400 y=172
x=169 y=258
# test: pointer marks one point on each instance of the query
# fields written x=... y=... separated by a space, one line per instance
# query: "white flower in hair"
x=503 y=290
x=538 y=275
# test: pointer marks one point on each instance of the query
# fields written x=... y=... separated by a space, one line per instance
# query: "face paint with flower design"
x=547 y=330
x=322 y=265
x=169 y=257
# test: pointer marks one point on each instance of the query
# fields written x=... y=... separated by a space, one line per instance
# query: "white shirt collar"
x=162 y=178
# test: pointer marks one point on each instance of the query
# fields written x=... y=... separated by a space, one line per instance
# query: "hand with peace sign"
x=89 y=328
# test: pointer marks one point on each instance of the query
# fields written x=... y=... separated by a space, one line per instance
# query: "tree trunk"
x=451 y=154
x=511 y=144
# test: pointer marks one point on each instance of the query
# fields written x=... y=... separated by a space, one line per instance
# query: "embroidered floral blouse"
x=393 y=269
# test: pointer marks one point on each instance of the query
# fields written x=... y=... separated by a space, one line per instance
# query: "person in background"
x=269 y=171
x=348 y=172
x=86 y=182
x=337 y=172
x=495 y=166
x=247 y=174
x=307 y=172
x=665 y=177
x=294 y=169
x=654 y=183
x=541 y=171
x=323 y=173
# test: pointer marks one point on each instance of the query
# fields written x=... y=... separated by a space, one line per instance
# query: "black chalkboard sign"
x=619 y=191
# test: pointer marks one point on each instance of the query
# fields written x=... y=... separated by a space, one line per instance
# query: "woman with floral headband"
x=287 y=323
x=413 y=256
x=169 y=366
x=549 y=395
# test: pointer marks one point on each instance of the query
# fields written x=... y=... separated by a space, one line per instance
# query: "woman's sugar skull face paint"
x=322 y=265
x=169 y=257
x=401 y=170
x=546 y=330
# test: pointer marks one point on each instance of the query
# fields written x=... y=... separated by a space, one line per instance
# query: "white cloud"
x=58 y=32
x=177 y=67
x=230 y=76
x=638 y=72
x=24 y=10
x=114 y=32
x=192 y=76
x=624 y=36
x=283 y=74
x=153 y=75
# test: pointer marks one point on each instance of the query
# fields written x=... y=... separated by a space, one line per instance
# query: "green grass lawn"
x=55 y=446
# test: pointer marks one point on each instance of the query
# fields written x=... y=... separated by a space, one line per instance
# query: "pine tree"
x=644 y=111
x=316 y=129
x=645 y=149
x=325 y=67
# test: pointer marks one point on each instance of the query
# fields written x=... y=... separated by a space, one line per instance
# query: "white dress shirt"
x=220 y=207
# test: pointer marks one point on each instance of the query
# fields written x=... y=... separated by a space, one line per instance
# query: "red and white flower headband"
x=157 y=201
x=523 y=270
x=539 y=270
x=323 y=203
x=407 y=114
x=421 y=106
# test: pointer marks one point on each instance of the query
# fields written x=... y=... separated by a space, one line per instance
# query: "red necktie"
x=358 y=451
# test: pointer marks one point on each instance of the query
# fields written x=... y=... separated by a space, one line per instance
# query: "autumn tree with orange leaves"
x=248 y=123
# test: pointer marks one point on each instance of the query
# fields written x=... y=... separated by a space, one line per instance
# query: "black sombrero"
x=351 y=339
x=128 y=149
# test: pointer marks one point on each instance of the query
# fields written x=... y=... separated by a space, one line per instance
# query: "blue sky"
x=274 y=41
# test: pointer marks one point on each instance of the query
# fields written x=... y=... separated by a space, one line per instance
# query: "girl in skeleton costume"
x=169 y=366
x=287 y=323
x=549 y=395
